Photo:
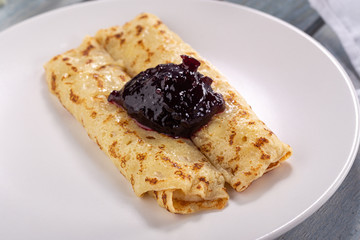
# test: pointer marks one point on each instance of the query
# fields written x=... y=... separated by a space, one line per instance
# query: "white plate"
x=56 y=184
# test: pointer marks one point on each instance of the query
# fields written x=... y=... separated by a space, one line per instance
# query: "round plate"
x=56 y=184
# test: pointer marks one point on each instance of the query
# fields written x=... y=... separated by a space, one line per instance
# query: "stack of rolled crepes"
x=184 y=175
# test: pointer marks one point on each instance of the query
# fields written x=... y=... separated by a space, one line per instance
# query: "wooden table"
x=338 y=218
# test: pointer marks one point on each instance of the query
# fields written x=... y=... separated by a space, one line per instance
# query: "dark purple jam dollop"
x=172 y=99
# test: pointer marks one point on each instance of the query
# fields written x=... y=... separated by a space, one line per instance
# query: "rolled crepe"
x=172 y=170
x=236 y=141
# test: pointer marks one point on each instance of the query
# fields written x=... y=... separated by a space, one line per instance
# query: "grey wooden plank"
x=296 y=12
x=317 y=24
x=16 y=11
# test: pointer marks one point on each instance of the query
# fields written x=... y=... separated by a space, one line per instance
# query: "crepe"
x=172 y=170
x=236 y=141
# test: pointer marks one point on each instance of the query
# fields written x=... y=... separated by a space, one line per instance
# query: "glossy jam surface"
x=173 y=99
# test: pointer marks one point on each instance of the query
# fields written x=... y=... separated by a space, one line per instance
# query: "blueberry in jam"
x=173 y=99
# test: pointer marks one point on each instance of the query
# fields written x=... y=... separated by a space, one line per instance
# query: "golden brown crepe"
x=172 y=170
x=236 y=141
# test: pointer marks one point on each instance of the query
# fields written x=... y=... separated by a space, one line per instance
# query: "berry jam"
x=172 y=99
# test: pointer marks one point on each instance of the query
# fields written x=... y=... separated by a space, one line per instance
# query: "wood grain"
x=16 y=11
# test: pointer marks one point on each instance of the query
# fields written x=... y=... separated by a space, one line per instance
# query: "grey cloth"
x=343 y=16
